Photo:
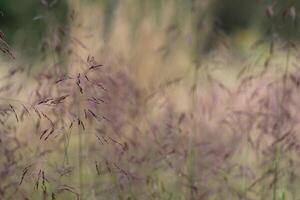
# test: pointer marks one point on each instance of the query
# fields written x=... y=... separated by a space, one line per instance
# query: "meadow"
x=143 y=108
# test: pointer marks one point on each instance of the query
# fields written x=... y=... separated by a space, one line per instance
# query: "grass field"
x=144 y=116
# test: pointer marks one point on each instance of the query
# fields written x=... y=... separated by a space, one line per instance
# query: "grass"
x=99 y=122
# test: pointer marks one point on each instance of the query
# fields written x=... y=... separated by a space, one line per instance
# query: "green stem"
x=280 y=121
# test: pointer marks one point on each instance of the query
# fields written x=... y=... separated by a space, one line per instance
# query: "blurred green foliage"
x=26 y=23
x=279 y=16
x=232 y=15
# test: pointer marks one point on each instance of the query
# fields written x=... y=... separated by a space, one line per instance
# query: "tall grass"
x=83 y=127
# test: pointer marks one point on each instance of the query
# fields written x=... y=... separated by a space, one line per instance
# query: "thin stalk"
x=191 y=154
x=280 y=121
x=80 y=156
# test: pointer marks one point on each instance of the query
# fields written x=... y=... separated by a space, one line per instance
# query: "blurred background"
x=183 y=86
x=148 y=35
x=28 y=23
